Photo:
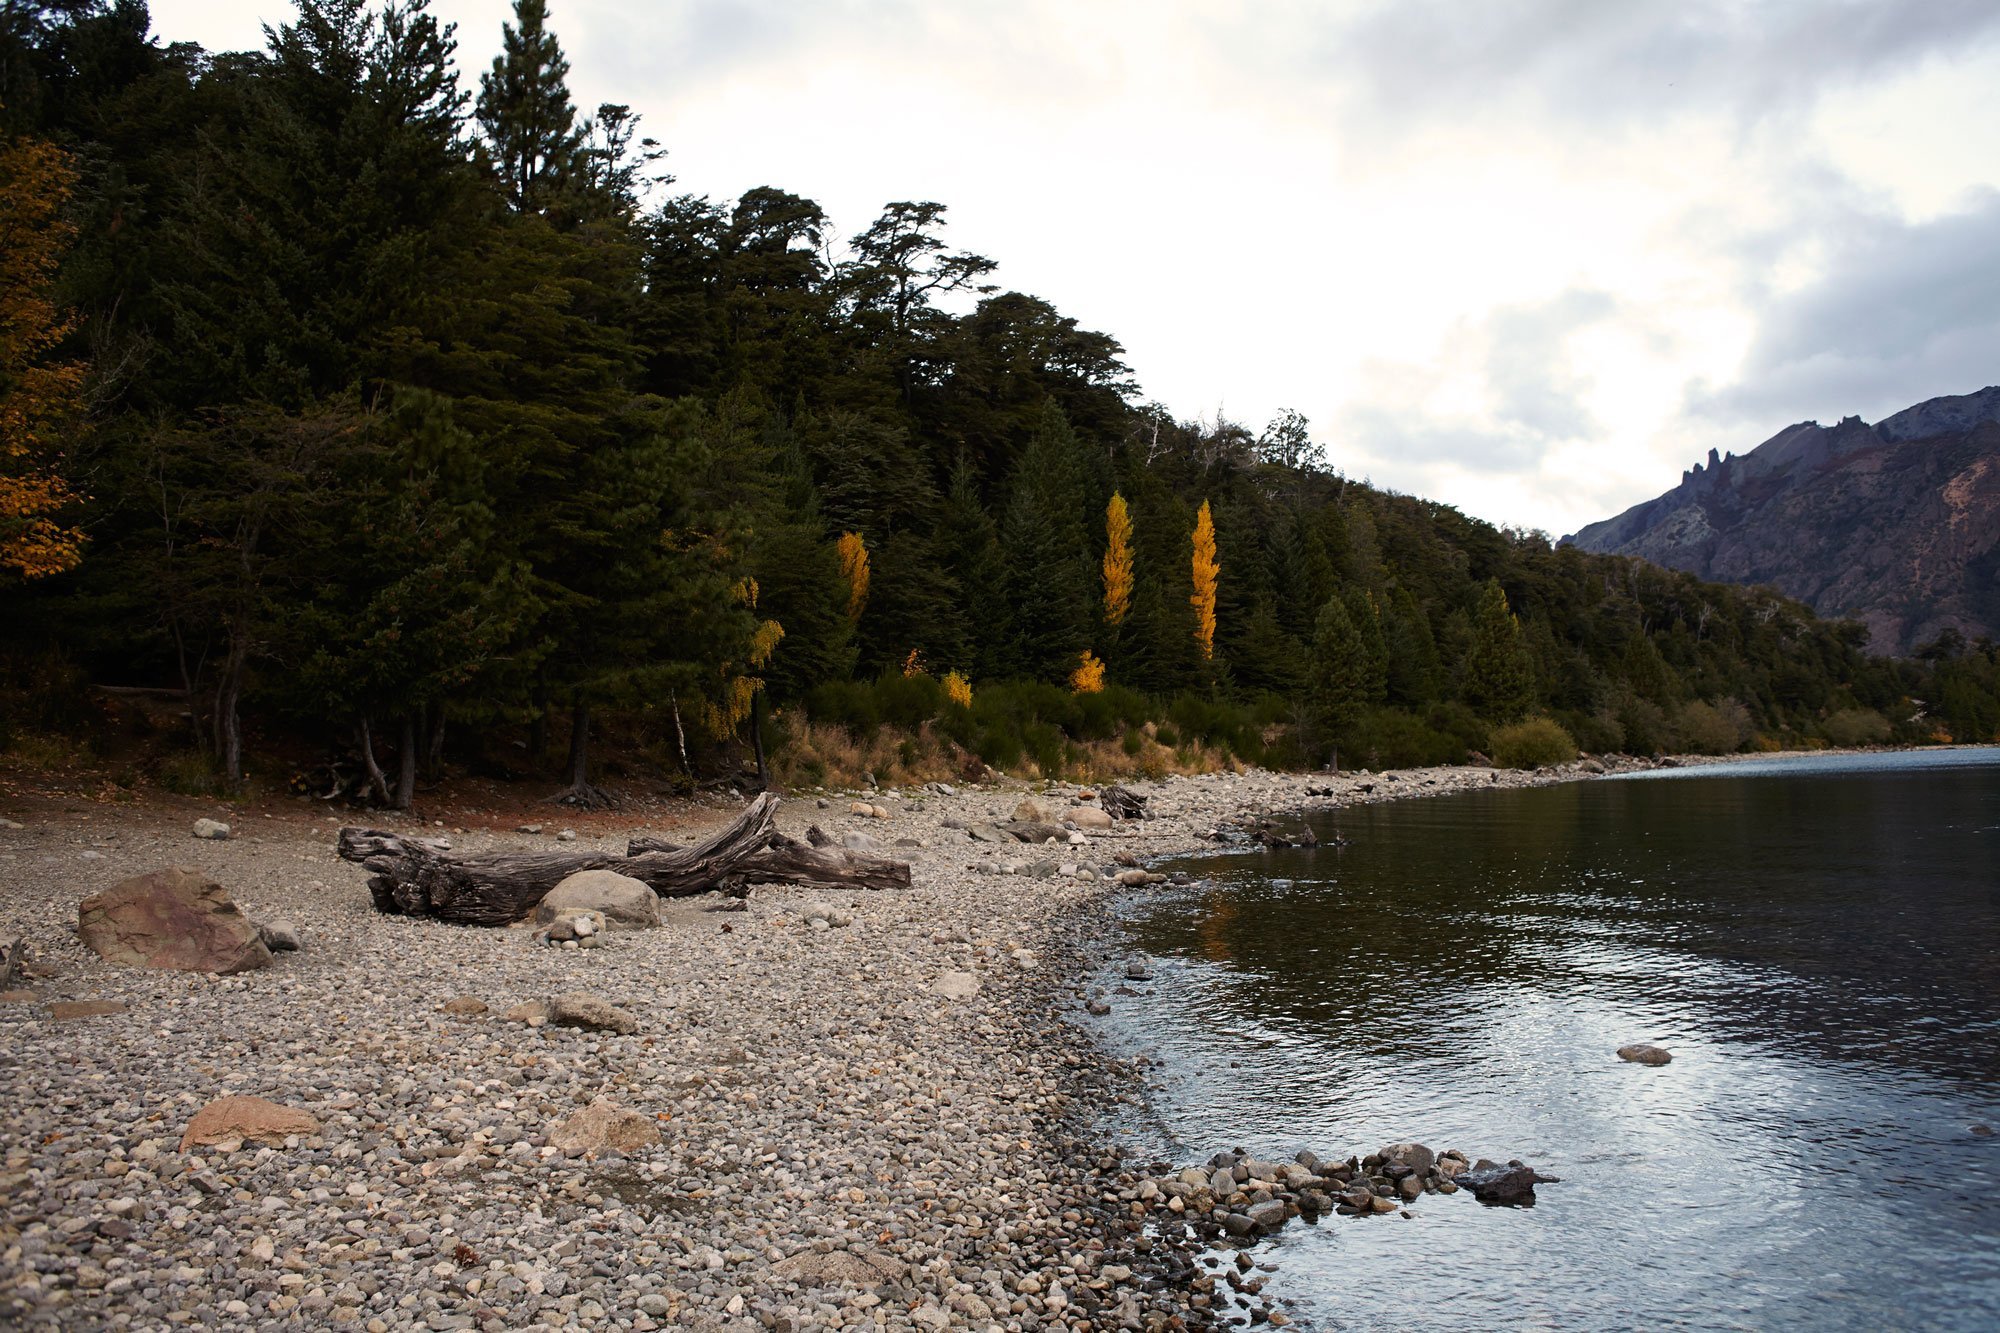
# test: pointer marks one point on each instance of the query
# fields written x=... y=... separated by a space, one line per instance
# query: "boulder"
x=246 y=1120
x=577 y=1010
x=1034 y=811
x=1413 y=1155
x=279 y=935
x=212 y=829
x=627 y=903
x=1088 y=817
x=1513 y=1183
x=175 y=918
x=604 y=1126
x=1642 y=1054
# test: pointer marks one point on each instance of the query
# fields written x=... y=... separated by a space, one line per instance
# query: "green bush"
x=1595 y=733
x=1644 y=724
x=1392 y=738
x=1717 y=728
x=1532 y=744
x=1856 y=726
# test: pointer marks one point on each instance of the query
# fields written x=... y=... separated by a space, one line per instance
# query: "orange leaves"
x=39 y=400
x=854 y=567
x=1088 y=678
x=958 y=689
x=1117 y=561
x=1205 y=571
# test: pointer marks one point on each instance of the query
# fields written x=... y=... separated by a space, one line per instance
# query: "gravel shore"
x=887 y=1123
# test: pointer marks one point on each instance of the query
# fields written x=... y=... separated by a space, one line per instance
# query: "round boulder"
x=1643 y=1054
x=627 y=903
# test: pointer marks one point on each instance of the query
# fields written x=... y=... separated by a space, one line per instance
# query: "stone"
x=1137 y=971
x=566 y=835
x=1642 y=1054
x=604 y=1125
x=861 y=842
x=624 y=903
x=64 y=1009
x=246 y=1120
x=1131 y=879
x=279 y=935
x=175 y=918
x=464 y=1006
x=987 y=833
x=1509 y=1184
x=1268 y=1217
x=1089 y=817
x=957 y=985
x=212 y=829
x=17 y=997
x=578 y=1010
x=533 y=1012
x=1033 y=811
x=840 y=1268
x=1413 y=1155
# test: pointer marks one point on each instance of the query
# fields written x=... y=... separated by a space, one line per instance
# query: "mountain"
x=1896 y=525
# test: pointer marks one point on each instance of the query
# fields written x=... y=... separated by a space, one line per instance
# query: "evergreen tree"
x=1337 y=675
x=1500 y=680
x=531 y=130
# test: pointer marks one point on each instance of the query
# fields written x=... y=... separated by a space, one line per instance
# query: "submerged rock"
x=1642 y=1054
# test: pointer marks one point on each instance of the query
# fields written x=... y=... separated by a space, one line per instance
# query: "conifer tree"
x=1205 y=574
x=1048 y=564
x=1338 y=671
x=1500 y=680
x=531 y=127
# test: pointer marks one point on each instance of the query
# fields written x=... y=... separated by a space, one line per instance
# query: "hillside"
x=1896 y=525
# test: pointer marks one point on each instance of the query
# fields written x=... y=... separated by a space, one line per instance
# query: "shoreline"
x=891 y=1123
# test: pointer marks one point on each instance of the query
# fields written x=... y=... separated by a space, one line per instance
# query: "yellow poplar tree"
x=1205 y=570
x=854 y=565
x=958 y=689
x=1117 y=561
x=38 y=399
x=1088 y=678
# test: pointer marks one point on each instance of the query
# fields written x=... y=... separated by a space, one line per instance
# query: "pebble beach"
x=853 y=1110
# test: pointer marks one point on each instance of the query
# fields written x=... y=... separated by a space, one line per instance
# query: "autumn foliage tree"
x=41 y=394
x=854 y=567
x=1205 y=574
x=1117 y=561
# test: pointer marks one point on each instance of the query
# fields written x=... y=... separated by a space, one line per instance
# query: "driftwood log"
x=414 y=877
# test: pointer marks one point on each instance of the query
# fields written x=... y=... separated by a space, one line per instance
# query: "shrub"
x=1717 y=728
x=1856 y=726
x=1532 y=744
x=1644 y=724
x=188 y=773
x=1392 y=738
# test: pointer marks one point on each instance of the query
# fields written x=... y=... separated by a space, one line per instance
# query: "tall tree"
x=530 y=124
x=1206 y=570
x=1500 y=677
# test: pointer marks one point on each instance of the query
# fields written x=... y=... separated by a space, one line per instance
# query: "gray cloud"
x=1902 y=312
x=1609 y=61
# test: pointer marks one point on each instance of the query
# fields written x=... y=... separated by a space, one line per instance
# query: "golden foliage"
x=958 y=689
x=1088 y=678
x=1205 y=571
x=39 y=400
x=1117 y=561
x=764 y=641
x=913 y=665
x=854 y=567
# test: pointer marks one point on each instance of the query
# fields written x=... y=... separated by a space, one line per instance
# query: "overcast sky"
x=1529 y=257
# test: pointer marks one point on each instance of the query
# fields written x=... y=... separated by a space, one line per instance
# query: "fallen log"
x=415 y=877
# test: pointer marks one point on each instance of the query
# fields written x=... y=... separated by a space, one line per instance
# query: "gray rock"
x=279 y=935
x=625 y=903
x=579 y=1010
x=212 y=829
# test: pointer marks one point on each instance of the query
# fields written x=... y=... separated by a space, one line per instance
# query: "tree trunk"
x=406 y=765
x=378 y=783
x=434 y=750
x=229 y=720
x=757 y=738
x=580 y=793
x=413 y=878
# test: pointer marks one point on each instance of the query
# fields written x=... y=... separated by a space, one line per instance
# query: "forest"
x=383 y=410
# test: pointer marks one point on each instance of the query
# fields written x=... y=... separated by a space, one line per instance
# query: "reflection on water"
x=1819 y=945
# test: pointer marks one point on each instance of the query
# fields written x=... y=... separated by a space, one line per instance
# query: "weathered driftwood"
x=1123 y=803
x=413 y=877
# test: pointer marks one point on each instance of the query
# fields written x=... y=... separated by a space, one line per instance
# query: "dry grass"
x=818 y=754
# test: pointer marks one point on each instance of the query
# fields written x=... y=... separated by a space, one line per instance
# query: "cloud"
x=1898 y=312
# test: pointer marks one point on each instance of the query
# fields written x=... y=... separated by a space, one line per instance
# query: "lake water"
x=1817 y=942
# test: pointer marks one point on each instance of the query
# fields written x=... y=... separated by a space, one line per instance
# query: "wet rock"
x=176 y=918
x=1513 y=1183
x=1643 y=1054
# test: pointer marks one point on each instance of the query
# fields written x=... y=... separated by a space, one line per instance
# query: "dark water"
x=1817 y=942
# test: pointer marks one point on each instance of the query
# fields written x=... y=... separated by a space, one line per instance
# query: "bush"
x=1644 y=724
x=1532 y=744
x=1856 y=726
x=1717 y=728
x=1595 y=733
x=1392 y=738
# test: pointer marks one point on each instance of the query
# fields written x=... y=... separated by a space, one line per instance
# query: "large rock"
x=1513 y=1183
x=1643 y=1054
x=246 y=1120
x=627 y=903
x=1088 y=816
x=175 y=918
x=213 y=830
x=578 y=1010
x=840 y=1268
x=602 y=1126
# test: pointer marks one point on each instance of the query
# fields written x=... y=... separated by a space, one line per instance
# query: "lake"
x=1816 y=940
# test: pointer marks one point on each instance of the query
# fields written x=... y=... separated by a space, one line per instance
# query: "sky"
x=1528 y=257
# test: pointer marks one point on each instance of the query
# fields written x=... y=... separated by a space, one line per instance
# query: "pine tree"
x=531 y=127
x=1500 y=679
x=1337 y=674
x=1048 y=574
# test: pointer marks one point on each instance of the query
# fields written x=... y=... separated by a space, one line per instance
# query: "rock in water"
x=213 y=829
x=604 y=1125
x=175 y=918
x=246 y=1119
x=1512 y=1183
x=627 y=903
x=1642 y=1054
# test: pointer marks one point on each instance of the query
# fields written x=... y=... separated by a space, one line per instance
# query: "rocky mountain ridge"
x=1896 y=525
